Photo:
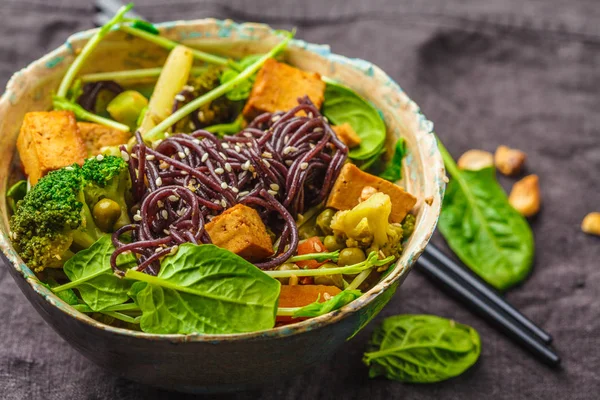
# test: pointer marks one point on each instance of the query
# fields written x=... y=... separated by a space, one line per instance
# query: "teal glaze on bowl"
x=213 y=363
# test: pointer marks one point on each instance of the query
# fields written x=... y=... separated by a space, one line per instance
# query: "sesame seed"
x=289 y=149
x=275 y=118
x=228 y=167
x=164 y=214
x=223 y=185
x=174 y=249
x=312 y=145
x=181 y=154
x=70 y=168
x=318 y=129
x=204 y=157
x=191 y=125
x=216 y=201
x=225 y=145
x=286 y=138
x=325 y=119
x=274 y=186
x=150 y=157
x=188 y=88
x=167 y=134
x=248 y=134
x=237 y=148
x=159 y=141
x=223 y=203
x=445 y=179
x=160 y=203
x=289 y=162
x=219 y=171
x=158 y=181
x=235 y=190
x=272 y=192
x=184 y=172
x=163 y=165
x=317 y=248
x=99 y=157
x=304 y=165
x=179 y=97
x=158 y=250
x=173 y=197
x=196 y=141
x=266 y=154
x=267 y=164
x=133 y=155
x=137 y=217
x=124 y=155
x=249 y=144
x=244 y=193
x=310 y=115
x=246 y=165
x=181 y=211
x=223 y=156
x=186 y=151
x=166 y=231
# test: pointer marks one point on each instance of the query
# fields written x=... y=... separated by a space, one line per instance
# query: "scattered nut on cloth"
x=487 y=73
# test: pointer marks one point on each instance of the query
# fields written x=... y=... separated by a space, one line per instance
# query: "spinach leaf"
x=393 y=169
x=243 y=89
x=205 y=289
x=15 y=193
x=482 y=228
x=68 y=296
x=343 y=105
x=91 y=274
x=338 y=301
x=421 y=349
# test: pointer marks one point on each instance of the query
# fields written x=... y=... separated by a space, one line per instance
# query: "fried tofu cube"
x=348 y=187
x=97 y=136
x=347 y=134
x=241 y=231
x=49 y=140
x=278 y=87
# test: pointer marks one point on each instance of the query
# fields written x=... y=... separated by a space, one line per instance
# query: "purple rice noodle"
x=281 y=164
x=91 y=91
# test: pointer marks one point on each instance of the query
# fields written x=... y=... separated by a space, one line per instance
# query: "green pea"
x=351 y=256
x=329 y=280
x=324 y=221
x=106 y=212
x=286 y=267
x=333 y=243
x=127 y=107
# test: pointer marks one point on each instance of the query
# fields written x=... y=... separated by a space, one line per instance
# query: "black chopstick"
x=439 y=258
x=481 y=305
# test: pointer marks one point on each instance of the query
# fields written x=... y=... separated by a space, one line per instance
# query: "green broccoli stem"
x=60 y=103
x=214 y=94
x=131 y=74
x=169 y=45
x=369 y=263
x=333 y=256
x=76 y=66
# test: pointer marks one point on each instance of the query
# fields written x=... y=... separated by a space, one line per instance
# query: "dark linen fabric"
x=521 y=73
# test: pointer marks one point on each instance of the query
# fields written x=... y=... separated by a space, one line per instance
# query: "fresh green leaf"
x=242 y=89
x=205 y=289
x=342 y=105
x=226 y=129
x=91 y=274
x=393 y=169
x=483 y=229
x=421 y=349
x=15 y=193
x=68 y=296
x=338 y=301
x=145 y=26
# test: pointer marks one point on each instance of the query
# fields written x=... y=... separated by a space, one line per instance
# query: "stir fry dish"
x=227 y=196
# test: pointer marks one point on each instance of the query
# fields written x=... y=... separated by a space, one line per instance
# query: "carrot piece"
x=311 y=245
x=302 y=295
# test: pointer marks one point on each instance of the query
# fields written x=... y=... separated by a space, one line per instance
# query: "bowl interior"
x=31 y=89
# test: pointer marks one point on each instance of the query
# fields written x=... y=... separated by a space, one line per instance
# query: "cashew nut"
x=509 y=161
x=474 y=160
x=525 y=196
x=591 y=223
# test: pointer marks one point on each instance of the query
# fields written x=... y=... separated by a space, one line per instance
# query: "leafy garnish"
x=421 y=349
x=91 y=274
x=342 y=105
x=242 y=90
x=320 y=308
x=482 y=228
x=145 y=26
x=393 y=169
x=333 y=256
x=205 y=289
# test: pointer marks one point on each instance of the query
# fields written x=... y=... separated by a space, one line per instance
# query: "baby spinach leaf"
x=205 y=289
x=68 y=296
x=393 y=169
x=243 y=89
x=336 y=302
x=482 y=228
x=343 y=105
x=91 y=274
x=421 y=349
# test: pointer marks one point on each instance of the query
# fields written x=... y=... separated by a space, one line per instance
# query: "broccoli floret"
x=55 y=216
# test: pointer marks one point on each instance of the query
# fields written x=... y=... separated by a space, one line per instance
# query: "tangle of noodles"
x=280 y=164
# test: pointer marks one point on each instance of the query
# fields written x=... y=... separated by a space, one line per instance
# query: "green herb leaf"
x=483 y=229
x=145 y=26
x=242 y=89
x=421 y=349
x=393 y=169
x=205 y=289
x=91 y=274
x=15 y=193
x=68 y=296
x=342 y=105
x=338 y=301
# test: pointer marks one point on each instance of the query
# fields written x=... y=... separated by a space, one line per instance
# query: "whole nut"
x=509 y=161
x=525 y=196
x=591 y=223
x=474 y=160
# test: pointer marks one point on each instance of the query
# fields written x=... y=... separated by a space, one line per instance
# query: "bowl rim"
x=424 y=130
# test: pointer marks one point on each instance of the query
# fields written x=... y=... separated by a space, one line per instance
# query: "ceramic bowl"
x=212 y=363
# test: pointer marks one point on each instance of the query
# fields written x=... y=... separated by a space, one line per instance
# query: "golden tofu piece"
x=347 y=134
x=241 y=231
x=348 y=187
x=97 y=136
x=49 y=140
x=278 y=87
